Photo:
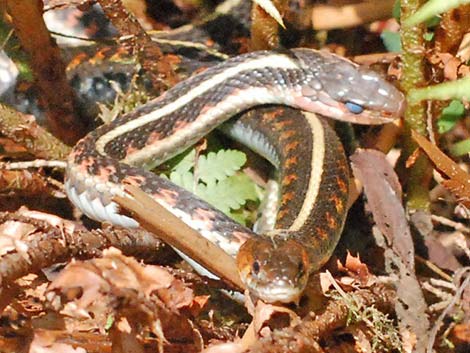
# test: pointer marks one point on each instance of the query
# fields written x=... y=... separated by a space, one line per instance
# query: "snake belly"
x=117 y=153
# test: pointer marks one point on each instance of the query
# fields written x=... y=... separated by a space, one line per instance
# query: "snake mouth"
x=275 y=292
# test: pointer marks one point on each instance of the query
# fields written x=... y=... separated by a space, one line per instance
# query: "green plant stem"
x=417 y=189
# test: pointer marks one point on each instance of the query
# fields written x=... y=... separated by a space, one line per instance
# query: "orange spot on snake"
x=268 y=116
x=170 y=197
x=339 y=204
x=131 y=149
x=104 y=173
x=133 y=180
x=279 y=126
x=288 y=179
x=321 y=233
x=291 y=146
x=154 y=137
x=290 y=162
x=330 y=220
x=281 y=214
x=180 y=124
x=77 y=60
x=287 y=135
x=341 y=184
x=206 y=216
x=289 y=196
x=240 y=237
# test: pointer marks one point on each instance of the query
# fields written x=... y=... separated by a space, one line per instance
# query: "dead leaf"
x=325 y=282
x=177 y=295
x=99 y=276
x=355 y=268
x=230 y=347
x=267 y=315
x=362 y=340
x=45 y=342
x=13 y=236
x=380 y=186
x=459 y=180
x=462 y=332
x=448 y=63
x=383 y=191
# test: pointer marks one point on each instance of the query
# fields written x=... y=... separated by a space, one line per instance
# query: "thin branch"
x=52 y=244
x=48 y=69
x=24 y=130
x=156 y=219
x=326 y=17
x=138 y=42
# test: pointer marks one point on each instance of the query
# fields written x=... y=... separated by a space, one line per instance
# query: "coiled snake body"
x=313 y=169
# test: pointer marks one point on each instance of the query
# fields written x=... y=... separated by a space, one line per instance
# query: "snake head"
x=341 y=89
x=274 y=270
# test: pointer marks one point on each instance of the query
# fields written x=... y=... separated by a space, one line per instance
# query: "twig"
x=438 y=323
x=326 y=17
x=433 y=267
x=137 y=41
x=459 y=181
x=173 y=231
x=53 y=244
x=24 y=130
x=48 y=69
x=450 y=223
x=38 y=163
x=23 y=183
x=374 y=58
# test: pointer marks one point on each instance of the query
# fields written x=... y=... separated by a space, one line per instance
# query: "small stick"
x=326 y=17
x=156 y=219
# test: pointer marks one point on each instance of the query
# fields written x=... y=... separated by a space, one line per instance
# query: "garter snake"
x=313 y=169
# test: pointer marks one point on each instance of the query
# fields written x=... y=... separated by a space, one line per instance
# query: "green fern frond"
x=216 y=167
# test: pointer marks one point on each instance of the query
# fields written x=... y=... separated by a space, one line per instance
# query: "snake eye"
x=256 y=267
x=354 y=108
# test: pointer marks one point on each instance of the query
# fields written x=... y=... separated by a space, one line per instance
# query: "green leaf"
x=218 y=166
x=459 y=89
x=450 y=115
x=433 y=22
x=110 y=319
x=183 y=162
x=230 y=193
x=187 y=163
x=391 y=41
x=428 y=36
x=396 y=11
x=432 y=8
x=238 y=217
x=218 y=182
x=243 y=216
x=184 y=179
x=460 y=148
